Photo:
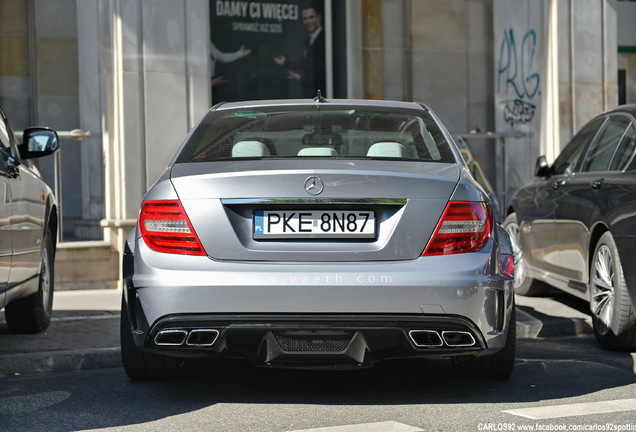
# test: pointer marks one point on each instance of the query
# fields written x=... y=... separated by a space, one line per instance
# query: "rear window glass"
x=276 y=132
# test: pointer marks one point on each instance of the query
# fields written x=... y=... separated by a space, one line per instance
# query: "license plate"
x=273 y=224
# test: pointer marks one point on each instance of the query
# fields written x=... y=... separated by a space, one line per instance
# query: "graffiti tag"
x=517 y=74
x=517 y=70
x=518 y=112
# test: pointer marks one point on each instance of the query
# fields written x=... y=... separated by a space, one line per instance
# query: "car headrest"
x=318 y=151
x=250 y=149
x=387 y=149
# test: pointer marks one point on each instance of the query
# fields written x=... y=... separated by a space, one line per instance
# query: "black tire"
x=32 y=314
x=523 y=284
x=141 y=365
x=613 y=314
x=495 y=367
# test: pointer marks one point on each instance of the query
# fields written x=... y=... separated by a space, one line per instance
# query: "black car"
x=28 y=229
x=574 y=226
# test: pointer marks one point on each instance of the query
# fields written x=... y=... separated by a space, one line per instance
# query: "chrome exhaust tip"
x=171 y=337
x=425 y=338
x=458 y=338
x=187 y=337
x=202 y=337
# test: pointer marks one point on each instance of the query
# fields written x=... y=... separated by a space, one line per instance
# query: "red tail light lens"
x=507 y=266
x=165 y=227
x=464 y=227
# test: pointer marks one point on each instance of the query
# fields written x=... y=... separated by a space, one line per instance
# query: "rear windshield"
x=277 y=133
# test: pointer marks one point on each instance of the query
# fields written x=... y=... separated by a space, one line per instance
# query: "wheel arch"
x=509 y=210
x=52 y=223
x=51 y=218
x=595 y=235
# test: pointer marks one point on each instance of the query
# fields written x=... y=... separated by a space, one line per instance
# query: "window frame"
x=9 y=149
x=578 y=145
x=597 y=141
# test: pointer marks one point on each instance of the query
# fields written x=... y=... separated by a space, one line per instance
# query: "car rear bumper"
x=303 y=340
x=322 y=313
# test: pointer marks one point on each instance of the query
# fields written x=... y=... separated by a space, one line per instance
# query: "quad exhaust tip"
x=202 y=337
x=171 y=337
x=182 y=337
x=435 y=339
x=458 y=338
x=426 y=338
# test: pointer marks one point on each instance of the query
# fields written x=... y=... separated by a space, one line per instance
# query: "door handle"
x=596 y=184
x=557 y=184
x=12 y=169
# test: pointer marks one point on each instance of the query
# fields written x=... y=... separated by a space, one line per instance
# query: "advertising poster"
x=266 y=50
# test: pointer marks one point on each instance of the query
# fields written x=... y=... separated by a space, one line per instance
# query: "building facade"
x=137 y=75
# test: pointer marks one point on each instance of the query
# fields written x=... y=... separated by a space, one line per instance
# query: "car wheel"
x=32 y=314
x=498 y=366
x=138 y=364
x=523 y=284
x=613 y=314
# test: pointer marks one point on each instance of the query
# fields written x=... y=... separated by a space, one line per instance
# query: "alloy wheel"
x=602 y=301
x=45 y=275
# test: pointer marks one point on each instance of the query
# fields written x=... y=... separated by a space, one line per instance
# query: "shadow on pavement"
x=546 y=369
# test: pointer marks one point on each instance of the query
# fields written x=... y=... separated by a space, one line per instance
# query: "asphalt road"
x=567 y=381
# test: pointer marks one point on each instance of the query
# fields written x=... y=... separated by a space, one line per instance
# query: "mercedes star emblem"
x=314 y=186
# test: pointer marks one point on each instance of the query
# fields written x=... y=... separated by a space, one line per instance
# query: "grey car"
x=318 y=234
x=28 y=229
x=573 y=226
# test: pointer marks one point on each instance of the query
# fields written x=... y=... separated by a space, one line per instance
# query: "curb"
x=531 y=327
x=59 y=361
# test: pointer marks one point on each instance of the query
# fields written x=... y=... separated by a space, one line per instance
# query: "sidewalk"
x=84 y=334
x=84 y=331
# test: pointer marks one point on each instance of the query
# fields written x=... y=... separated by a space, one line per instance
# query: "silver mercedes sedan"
x=318 y=234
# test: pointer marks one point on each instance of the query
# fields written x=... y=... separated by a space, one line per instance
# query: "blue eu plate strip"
x=259 y=221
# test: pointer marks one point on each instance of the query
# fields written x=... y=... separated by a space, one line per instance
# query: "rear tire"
x=138 y=364
x=498 y=366
x=523 y=284
x=613 y=314
x=32 y=314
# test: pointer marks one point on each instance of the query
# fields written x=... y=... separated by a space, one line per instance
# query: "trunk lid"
x=314 y=211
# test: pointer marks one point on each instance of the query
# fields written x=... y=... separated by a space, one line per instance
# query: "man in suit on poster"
x=312 y=63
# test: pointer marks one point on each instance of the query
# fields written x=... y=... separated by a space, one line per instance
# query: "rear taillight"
x=165 y=227
x=507 y=266
x=464 y=227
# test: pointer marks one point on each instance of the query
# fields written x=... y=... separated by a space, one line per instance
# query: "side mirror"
x=541 y=167
x=38 y=142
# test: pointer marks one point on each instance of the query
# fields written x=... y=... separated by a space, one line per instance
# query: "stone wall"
x=15 y=74
x=39 y=84
x=438 y=52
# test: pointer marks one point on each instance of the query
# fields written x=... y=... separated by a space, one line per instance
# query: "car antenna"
x=320 y=98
